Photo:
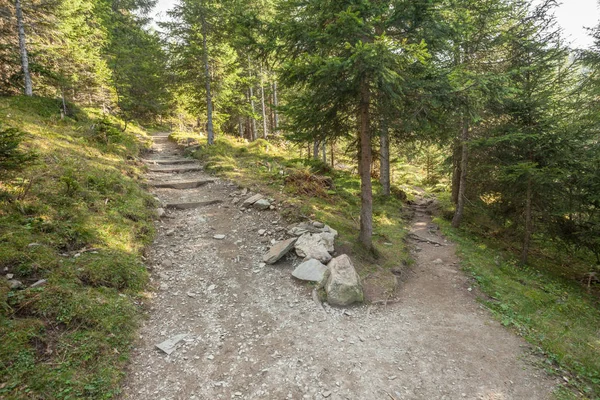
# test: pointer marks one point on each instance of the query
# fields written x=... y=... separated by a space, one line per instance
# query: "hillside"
x=73 y=225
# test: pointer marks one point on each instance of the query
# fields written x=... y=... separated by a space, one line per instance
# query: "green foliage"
x=79 y=219
x=11 y=156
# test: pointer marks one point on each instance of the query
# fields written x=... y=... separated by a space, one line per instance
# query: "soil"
x=254 y=332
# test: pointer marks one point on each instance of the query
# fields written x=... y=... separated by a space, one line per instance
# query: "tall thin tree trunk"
x=384 y=158
x=324 y=151
x=460 y=207
x=254 y=131
x=332 y=154
x=63 y=113
x=23 y=49
x=276 y=104
x=366 y=190
x=528 y=223
x=264 y=110
x=456 y=154
x=240 y=127
x=316 y=145
x=209 y=106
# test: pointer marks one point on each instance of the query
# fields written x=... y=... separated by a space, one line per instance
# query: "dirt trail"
x=255 y=333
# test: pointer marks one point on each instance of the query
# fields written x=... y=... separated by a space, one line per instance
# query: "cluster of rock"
x=257 y=201
x=314 y=242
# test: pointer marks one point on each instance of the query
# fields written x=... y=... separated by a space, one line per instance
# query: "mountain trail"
x=249 y=331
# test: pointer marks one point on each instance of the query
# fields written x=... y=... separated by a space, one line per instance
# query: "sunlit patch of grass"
x=79 y=219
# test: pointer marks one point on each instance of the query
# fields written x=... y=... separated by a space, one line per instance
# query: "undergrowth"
x=76 y=217
x=313 y=190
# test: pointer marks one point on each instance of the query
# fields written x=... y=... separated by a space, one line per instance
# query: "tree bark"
x=316 y=149
x=456 y=154
x=23 y=50
x=384 y=158
x=460 y=207
x=264 y=110
x=240 y=127
x=366 y=189
x=276 y=104
x=324 y=151
x=528 y=223
x=254 y=131
x=209 y=106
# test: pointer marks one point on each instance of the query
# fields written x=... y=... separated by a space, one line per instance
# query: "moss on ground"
x=78 y=218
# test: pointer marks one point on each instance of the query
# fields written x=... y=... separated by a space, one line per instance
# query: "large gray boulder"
x=310 y=227
x=342 y=283
x=311 y=270
x=279 y=250
x=311 y=245
x=251 y=200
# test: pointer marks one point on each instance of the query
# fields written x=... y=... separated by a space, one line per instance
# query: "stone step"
x=196 y=204
x=181 y=184
x=170 y=162
x=178 y=170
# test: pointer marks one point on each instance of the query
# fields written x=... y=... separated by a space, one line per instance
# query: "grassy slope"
x=558 y=316
x=70 y=338
x=267 y=166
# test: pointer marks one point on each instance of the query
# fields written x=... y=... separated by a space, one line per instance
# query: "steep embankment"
x=72 y=227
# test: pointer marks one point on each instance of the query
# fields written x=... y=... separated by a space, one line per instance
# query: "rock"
x=262 y=204
x=318 y=224
x=328 y=240
x=160 y=212
x=279 y=250
x=251 y=200
x=219 y=237
x=41 y=282
x=311 y=270
x=33 y=245
x=15 y=284
x=10 y=276
x=313 y=245
x=438 y=261
x=261 y=232
x=342 y=283
x=169 y=345
x=170 y=232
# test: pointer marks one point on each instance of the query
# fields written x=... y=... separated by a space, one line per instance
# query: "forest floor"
x=253 y=332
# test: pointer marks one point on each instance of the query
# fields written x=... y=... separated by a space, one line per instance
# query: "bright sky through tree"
x=573 y=15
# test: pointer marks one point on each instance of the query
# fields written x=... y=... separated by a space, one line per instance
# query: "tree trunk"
x=23 y=50
x=366 y=190
x=456 y=151
x=332 y=154
x=276 y=104
x=460 y=207
x=240 y=127
x=209 y=107
x=254 y=131
x=324 y=151
x=316 y=145
x=528 y=223
x=384 y=158
x=264 y=110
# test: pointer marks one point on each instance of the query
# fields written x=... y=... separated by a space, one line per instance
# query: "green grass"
x=79 y=218
x=275 y=169
x=556 y=315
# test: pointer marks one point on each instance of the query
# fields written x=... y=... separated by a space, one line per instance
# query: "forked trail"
x=253 y=332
